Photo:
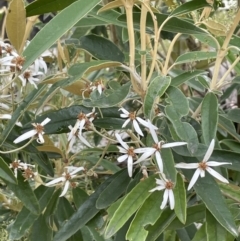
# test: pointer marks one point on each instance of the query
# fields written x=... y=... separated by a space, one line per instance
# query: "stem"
x=197 y=111
x=223 y=50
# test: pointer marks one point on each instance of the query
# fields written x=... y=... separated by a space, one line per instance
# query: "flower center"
x=202 y=165
x=131 y=151
x=27 y=75
x=19 y=61
x=28 y=173
x=15 y=164
x=132 y=115
x=39 y=128
x=81 y=116
x=169 y=185
x=67 y=176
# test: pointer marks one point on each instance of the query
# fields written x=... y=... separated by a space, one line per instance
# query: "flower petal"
x=66 y=186
x=167 y=145
x=124 y=115
x=130 y=166
x=215 y=164
x=187 y=165
x=125 y=145
x=56 y=180
x=126 y=122
x=171 y=199
x=143 y=122
x=43 y=123
x=147 y=154
x=76 y=170
x=121 y=149
x=158 y=188
x=217 y=175
x=25 y=136
x=194 y=178
x=122 y=158
x=165 y=199
x=159 y=161
x=137 y=128
x=209 y=151
x=124 y=111
x=84 y=141
x=40 y=139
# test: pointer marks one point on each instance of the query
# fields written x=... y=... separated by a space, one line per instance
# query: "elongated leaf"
x=209 y=113
x=211 y=195
x=16 y=23
x=147 y=214
x=18 y=113
x=25 y=193
x=181 y=78
x=85 y=213
x=89 y=22
x=46 y=6
x=180 y=199
x=156 y=89
x=6 y=173
x=101 y=48
x=189 y=7
x=160 y=225
x=110 y=98
x=173 y=25
x=52 y=31
x=234 y=115
x=231 y=144
x=201 y=234
x=214 y=230
x=231 y=191
x=168 y=164
x=195 y=56
x=129 y=205
x=113 y=191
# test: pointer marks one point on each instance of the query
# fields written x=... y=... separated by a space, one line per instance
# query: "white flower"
x=149 y=151
x=66 y=176
x=72 y=139
x=17 y=164
x=97 y=85
x=39 y=131
x=129 y=153
x=166 y=184
x=8 y=117
x=135 y=119
x=203 y=166
x=39 y=63
x=82 y=120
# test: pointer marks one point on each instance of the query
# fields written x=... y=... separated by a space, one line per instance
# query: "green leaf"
x=113 y=97
x=53 y=203
x=234 y=115
x=180 y=199
x=173 y=25
x=209 y=113
x=90 y=22
x=45 y=233
x=201 y=234
x=231 y=144
x=85 y=213
x=211 y=195
x=129 y=205
x=181 y=78
x=189 y=7
x=148 y=214
x=156 y=89
x=113 y=190
x=52 y=31
x=195 y=56
x=6 y=173
x=101 y=48
x=160 y=225
x=19 y=112
x=168 y=164
x=79 y=196
x=214 y=230
x=25 y=218
x=46 y=6
x=24 y=192
x=231 y=191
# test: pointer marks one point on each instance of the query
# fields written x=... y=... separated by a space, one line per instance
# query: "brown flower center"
x=203 y=165
x=67 y=176
x=131 y=151
x=169 y=185
x=15 y=164
x=26 y=75
x=28 y=173
x=39 y=128
x=81 y=116
x=132 y=115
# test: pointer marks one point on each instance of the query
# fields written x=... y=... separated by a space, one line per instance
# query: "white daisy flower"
x=166 y=184
x=149 y=151
x=72 y=139
x=135 y=119
x=17 y=164
x=203 y=166
x=39 y=131
x=129 y=153
x=97 y=85
x=65 y=178
x=39 y=64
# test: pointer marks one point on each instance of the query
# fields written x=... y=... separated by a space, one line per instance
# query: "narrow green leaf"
x=116 y=94
x=180 y=207
x=52 y=31
x=79 y=196
x=168 y=164
x=85 y=213
x=148 y=214
x=195 y=56
x=46 y=6
x=156 y=89
x=181 y=78
x=231 y=144
x=6 y=173
x=52 y=205
x=209 y=113
x=113 y=190
x=189 y=7
x=160 y=225
x=89 y=22
x=214 y=230
x=231 y=191
x=101 y=48
x=25 y=193
x=234 y=115
x=129 y=205
x=19 y=112
x=201 y=234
